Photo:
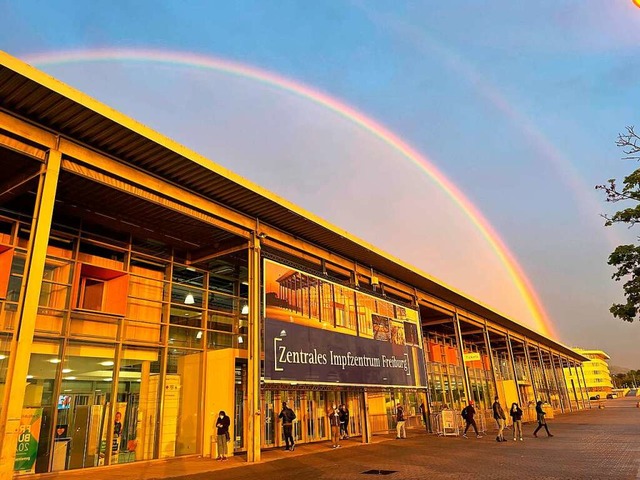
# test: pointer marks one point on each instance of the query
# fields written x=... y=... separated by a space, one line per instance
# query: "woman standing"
x=516 y=415
x=344 y=422
x=223 y=434
x=334 y=422
x=541 y=420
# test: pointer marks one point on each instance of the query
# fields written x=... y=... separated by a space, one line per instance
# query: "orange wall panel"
x=6 y=258
x=452 y=355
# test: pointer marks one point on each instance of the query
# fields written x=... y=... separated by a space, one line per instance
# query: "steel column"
x=467 y=384
x=513 y=366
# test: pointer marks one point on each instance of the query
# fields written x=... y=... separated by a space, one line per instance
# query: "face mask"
x=221 y=416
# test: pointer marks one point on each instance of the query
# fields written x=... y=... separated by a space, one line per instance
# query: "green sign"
x=27 y=448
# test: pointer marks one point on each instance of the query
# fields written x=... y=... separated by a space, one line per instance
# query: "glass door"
x=270 y=417
x=316 y=417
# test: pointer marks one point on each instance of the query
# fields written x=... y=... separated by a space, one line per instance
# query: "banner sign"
x=472 y=356
x=27 y=448
x=297 y=353
x=319 y=331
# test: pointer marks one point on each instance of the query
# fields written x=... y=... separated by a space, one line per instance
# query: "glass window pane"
x=185 y=337
x=137 y=404
x=39 y=398
x=188 y=317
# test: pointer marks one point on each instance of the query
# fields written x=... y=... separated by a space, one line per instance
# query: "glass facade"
x=117 y=368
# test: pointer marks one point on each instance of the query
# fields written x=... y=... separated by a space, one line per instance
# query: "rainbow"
x=542 y=323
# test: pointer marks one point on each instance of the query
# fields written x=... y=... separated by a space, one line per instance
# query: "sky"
x=516 y=104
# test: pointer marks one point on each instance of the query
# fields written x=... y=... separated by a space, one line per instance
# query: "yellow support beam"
x=254 y=417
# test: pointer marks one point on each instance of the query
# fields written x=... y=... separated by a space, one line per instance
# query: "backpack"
x=463 y=413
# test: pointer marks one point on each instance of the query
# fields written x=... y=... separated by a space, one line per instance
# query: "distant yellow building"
x=596 y=373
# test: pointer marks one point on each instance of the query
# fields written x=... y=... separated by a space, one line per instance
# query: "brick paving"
x=592 y=444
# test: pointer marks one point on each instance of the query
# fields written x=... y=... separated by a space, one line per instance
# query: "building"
x=144 y=288
x=596 y=373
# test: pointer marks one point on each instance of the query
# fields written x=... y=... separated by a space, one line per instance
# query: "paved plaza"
x=593 y=444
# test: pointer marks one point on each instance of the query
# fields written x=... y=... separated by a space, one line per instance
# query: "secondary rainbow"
x=514 y=270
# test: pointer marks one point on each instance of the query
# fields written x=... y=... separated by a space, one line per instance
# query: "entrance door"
x=311 y=409
x=352 y=400
x=79 y=433
x=270 y=416
x=316 y=413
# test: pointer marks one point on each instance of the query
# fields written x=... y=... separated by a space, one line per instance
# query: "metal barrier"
x=450 y=423
x=446 y=423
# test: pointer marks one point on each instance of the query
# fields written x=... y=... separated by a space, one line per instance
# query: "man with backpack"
x=287 y=417
x=467 y=414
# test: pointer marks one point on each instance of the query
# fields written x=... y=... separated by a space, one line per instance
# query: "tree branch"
x=630 y=142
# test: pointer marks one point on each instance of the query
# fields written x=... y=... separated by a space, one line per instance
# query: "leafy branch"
x=626 y=258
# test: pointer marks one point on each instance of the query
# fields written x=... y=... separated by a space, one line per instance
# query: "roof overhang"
x=34 y=96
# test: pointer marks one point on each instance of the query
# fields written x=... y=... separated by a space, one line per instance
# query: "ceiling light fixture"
x=108 y=363
x=245 y=309
x=189 y=300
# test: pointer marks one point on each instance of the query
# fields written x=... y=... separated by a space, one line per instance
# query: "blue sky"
x=518 y=103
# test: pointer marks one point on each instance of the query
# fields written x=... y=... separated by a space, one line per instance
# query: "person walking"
x=499 y=417
x=222 y=424
x=287 y=416
x=542 y=422
x=400 y=430
x=334 y=422
x=468 y=413
x=516 y=416
x=344 y=422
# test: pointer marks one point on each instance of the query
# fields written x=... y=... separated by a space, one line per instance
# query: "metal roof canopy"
x=53 y=105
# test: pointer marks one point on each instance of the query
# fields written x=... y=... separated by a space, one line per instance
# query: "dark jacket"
x=223 y=425
x=498 y=411
x=470 y=413
x=540 y=413
x=344 y=415
x=334 y=418
x=516 y=415
x=287 y=416
x=400 y=415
